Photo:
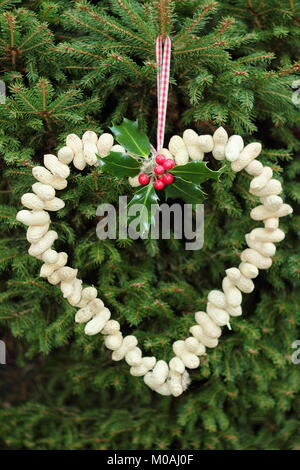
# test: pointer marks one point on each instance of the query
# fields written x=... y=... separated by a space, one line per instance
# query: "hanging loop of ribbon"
x=163 y=60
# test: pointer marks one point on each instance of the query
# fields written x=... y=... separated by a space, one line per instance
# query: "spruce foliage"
x=73 y=66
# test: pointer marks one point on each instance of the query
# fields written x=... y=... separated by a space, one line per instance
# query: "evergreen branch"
x=124 y=46
x=186 y=51
x=11 y=26
x=35 y=46
x=128 y=62
x=206 y=10
x=80 y=67
x=5 y=3
x=18 y=91
x=68 y=48
x=279 y=10
x=88 y=26
x=112 y=24
x=65 y=97
x=77 y=105
x=275 y=93
x=39 y=29
x=43 y=86
x=28 y=282
x=125 y=5
x=225 y=25
x=255 y=57
x=163 y=7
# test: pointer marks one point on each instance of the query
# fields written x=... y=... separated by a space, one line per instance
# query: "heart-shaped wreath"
x=180 y=170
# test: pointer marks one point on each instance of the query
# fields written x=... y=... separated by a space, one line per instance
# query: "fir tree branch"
x=112 y=24
x=11 y=26
x=206 y=10
x=39 y=29
x=163 y=8
x=129 y=10
x=88 y=26
x=67 y=48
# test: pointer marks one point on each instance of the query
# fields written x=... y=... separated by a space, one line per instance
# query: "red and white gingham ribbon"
x=163 y=59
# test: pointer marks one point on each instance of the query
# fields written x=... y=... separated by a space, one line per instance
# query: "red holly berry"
x=159 y=169
x=159 y=184
x=168 y=164
x=160 y=159
x=168 y=178
x=143 y=179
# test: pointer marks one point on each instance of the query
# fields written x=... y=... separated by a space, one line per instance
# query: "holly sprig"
x=180 y=182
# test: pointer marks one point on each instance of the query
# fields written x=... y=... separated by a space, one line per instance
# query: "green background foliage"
x=72 y=66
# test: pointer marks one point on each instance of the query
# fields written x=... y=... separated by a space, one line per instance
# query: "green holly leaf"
x=147 y=198
x=195 y=172
x=133 y=140
x=185 y=190
x=119 y=164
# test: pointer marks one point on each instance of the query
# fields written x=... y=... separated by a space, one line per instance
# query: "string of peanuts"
x=165 y=378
